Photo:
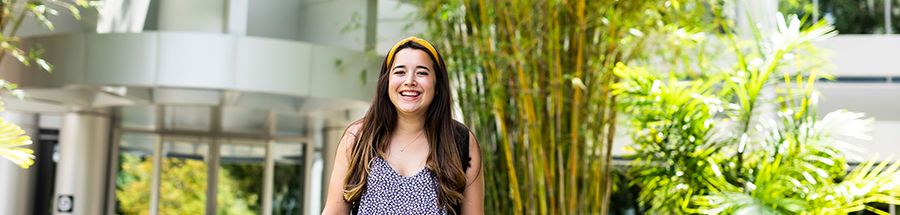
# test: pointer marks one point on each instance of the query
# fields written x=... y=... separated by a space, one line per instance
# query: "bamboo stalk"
x=553 y=137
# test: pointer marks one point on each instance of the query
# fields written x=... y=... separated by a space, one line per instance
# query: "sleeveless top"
x=388 y=192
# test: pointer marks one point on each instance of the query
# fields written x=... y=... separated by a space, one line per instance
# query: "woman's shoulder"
x=353 y=128
x=351 y=133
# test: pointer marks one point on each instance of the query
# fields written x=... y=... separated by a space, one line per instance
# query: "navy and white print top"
x=388 y=192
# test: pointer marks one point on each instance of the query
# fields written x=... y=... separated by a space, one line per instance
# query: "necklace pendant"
x=401 y=149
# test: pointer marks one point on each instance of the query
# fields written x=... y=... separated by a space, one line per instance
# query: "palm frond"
x=12 y=138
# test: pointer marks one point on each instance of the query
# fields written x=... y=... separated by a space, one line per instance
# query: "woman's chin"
x=409 y=109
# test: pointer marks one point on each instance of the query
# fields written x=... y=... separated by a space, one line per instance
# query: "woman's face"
x=411 y=83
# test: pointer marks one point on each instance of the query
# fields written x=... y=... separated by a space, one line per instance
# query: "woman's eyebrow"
x=404 y=66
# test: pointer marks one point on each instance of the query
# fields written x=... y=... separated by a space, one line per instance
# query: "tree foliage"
x=183 y=187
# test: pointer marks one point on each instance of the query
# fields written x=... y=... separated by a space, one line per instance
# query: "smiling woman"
x=411 y=83
x=382 y=165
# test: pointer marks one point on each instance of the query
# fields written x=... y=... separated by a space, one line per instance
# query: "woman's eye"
x=399 y=72
x=423 y=73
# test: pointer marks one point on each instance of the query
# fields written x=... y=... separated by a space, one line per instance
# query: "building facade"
x=193 y=107
x=236 y=106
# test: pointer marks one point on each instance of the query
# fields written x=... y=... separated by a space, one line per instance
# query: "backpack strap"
x=462 y=144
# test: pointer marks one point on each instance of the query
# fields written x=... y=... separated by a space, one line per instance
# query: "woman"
x=407 y=155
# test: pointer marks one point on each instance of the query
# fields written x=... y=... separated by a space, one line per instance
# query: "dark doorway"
x=47 y=146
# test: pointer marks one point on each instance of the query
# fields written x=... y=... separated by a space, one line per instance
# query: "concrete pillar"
x=237 y=17
x=206 y=16
x=83 y=154
x=17 y=184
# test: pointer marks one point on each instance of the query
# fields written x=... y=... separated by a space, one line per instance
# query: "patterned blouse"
x=388 y=192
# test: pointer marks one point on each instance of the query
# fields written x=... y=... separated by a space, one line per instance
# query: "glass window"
x=139 y=117
x=289 y=124
x=316 y=171
x=241 y=178
x=287 y=192
x=243 y=120
x=195 y=118
x=895 y=16
x=847 y=16
x=183 y=174
x=135 y=173
x=854 y=16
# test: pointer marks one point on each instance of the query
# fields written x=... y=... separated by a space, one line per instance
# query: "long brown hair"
x=440 y=129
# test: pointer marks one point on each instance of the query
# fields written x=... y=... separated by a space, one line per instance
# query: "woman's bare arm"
x=335 y=203
x=474 y=193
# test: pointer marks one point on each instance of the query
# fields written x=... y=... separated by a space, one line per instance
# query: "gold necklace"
x=414 y=140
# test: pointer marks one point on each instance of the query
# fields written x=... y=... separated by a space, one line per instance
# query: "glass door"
x=183 y=176
x=242 y=165
x=290 y=172
x=135 y=173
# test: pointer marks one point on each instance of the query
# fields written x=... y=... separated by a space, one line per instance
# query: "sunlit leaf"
x=12 y=138
x=44 y=65
x=75 y=12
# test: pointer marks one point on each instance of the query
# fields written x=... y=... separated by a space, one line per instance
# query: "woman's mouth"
x=409 y=95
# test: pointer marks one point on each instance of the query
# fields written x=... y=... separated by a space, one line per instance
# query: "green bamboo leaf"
x=83 y=3
x=363 y=79
x=44 y=64
x=18 y=93
x=636 y=32
x=576 y=82
x=16 y=53
x=38 y=11
x=75 y=11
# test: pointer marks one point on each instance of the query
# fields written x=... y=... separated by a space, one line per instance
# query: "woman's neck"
x=409 y=125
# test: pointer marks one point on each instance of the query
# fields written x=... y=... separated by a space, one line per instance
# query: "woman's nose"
x=410 y=81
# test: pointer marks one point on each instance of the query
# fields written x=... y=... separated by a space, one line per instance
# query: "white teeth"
x=409 y=93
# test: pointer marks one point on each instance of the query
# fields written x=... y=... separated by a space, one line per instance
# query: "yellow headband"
x=390 y=57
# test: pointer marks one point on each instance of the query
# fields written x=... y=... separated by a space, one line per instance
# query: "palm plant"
x=12 y=137
x=534 y=80
x=748 y=139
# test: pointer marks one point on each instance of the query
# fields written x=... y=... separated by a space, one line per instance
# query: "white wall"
x=885 y=140
x=178 y=59
x=275 y=19
x=206 y=16
x=879 y=100
x=867 y=56
x=393 y=17
x=864 y=55
x=321 y=22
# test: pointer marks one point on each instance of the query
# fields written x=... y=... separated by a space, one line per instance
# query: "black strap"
x=462 y=144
